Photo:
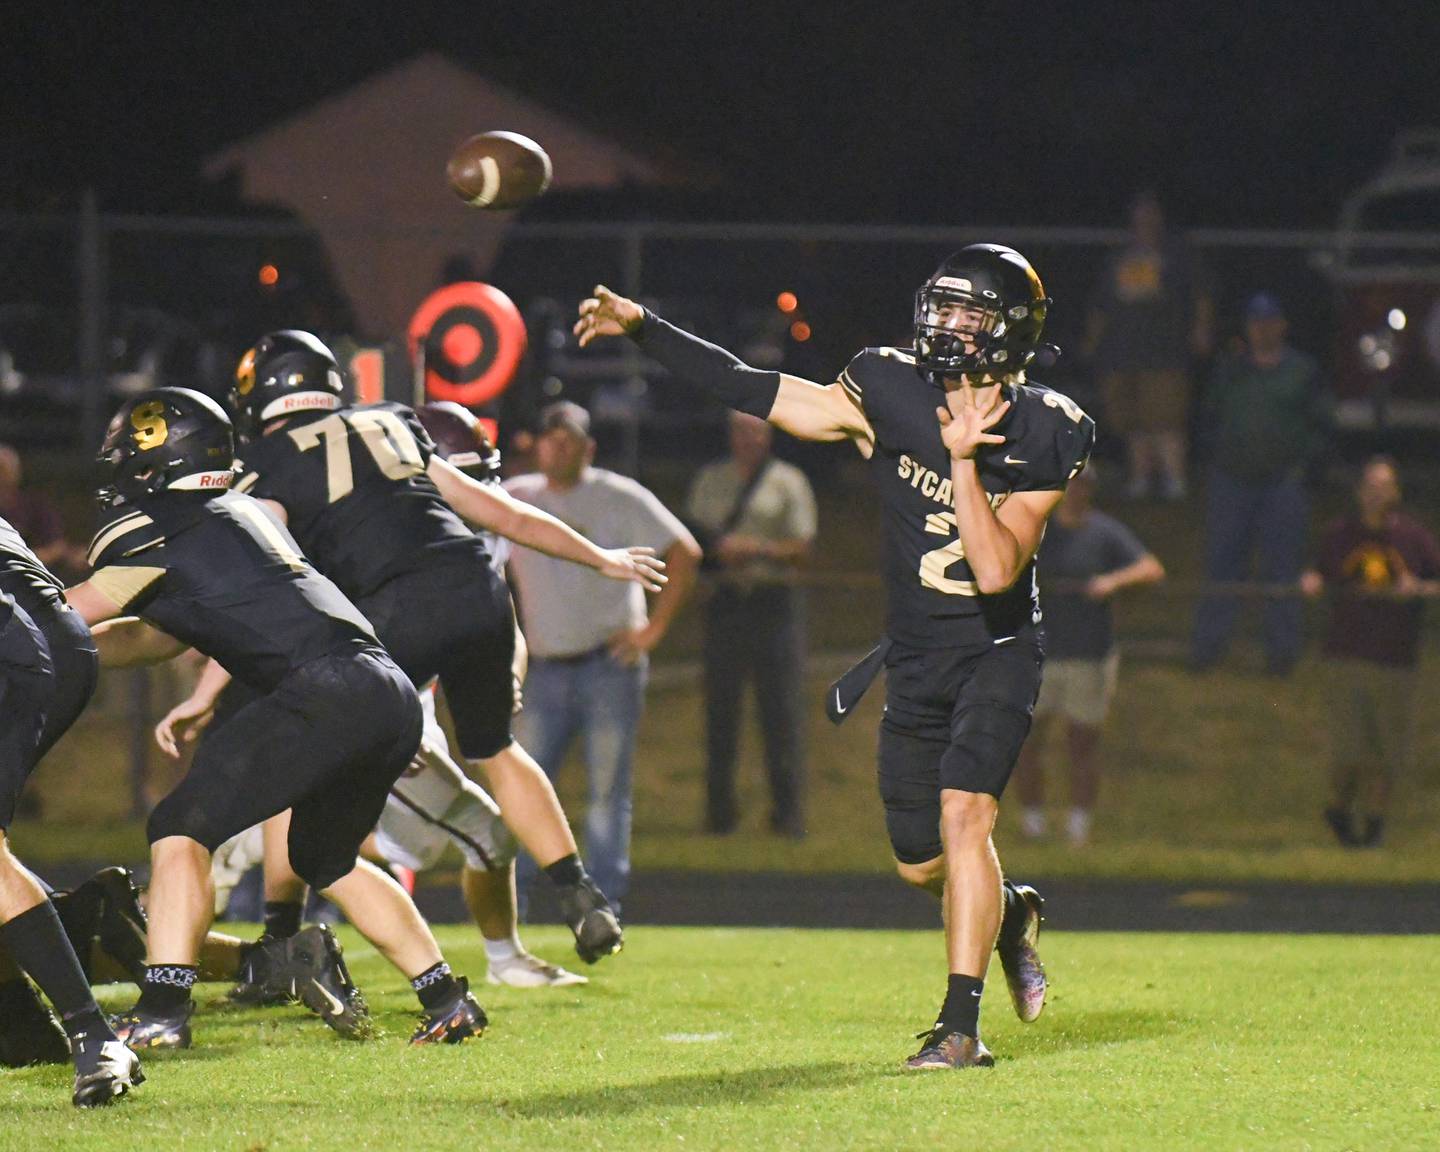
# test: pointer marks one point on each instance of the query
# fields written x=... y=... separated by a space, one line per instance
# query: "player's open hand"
x=965 y=423
x=182 y=725
x=607 y=313
x=638 y=565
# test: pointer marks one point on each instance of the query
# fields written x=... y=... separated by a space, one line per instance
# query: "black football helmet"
x=1006 y=290
x=172 y=438
x=289 y=371
x=461 y=439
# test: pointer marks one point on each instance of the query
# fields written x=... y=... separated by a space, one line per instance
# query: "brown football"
x=498 y=170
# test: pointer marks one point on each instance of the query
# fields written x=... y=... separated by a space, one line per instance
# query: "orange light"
x=269 y=275
x=786 y=302
x=800 y=331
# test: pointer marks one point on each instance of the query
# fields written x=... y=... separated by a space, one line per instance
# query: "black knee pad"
x=985 y=743
x=910 y=789
x=319 y=865
x=914 y=832
x=177 y=815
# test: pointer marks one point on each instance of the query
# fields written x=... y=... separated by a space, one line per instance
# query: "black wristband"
x=708 y=367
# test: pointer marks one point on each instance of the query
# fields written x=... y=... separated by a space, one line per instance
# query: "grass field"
x=762 y=1039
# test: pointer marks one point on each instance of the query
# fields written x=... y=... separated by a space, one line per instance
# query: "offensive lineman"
x=375 y=508
x=334 y=720
x=970 y=460
x=47 y=675
x=434 y=804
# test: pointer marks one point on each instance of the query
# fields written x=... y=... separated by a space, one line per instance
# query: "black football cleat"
x=262 y=979
x=122 y=926
x=950 y=1050
x=1024 y=974
x=29 y=1032
x=104 y=914
x=320 y=980
x=590 y=917
x=458 y=1019
x=114 y=1071
x=138 y=1029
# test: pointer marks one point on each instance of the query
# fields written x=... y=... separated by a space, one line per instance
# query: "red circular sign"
x=474 y=339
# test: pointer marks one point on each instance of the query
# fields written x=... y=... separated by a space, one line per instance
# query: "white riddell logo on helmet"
x=959 y=283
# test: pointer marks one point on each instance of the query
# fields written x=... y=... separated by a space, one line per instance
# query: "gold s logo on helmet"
x=245 y=373
x=148 y=420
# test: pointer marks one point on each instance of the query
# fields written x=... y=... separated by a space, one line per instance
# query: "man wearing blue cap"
x=1265 y=422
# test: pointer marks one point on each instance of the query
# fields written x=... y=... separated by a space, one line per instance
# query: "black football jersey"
x=23 y=577
x=932 y=600
x=223 y=575
x=355 y=490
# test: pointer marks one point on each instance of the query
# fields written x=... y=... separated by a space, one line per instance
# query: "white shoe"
x=526 y=971
x=116 y=1072
x=1077 y=827
x=1032 y=823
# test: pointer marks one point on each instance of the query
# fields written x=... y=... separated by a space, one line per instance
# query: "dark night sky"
x=1254 y=114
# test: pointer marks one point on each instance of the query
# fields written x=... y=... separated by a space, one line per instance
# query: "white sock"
x=499 y=951
x=1078 y=825
x=1032 y=822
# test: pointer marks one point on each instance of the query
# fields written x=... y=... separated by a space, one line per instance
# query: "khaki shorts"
x=1079 y=690
x=1371 y=714
x=1152 y=401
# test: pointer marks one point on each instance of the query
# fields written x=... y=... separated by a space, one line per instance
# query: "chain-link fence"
x=93 y=305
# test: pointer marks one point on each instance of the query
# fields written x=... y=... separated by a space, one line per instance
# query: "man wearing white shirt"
x=589 y=645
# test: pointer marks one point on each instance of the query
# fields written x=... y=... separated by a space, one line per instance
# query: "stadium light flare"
x=269 y=275
x=1396 y=319
x=800 y=331
x=787 y=302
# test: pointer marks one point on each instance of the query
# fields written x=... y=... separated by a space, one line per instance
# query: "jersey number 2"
x=934 y=562
x=391 y=445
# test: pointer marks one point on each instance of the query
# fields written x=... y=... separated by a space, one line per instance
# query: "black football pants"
x=327 y=742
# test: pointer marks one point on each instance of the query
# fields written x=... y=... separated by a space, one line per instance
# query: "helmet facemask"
x=955 y=329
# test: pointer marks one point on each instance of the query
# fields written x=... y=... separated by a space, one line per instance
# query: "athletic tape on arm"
x=698 y=363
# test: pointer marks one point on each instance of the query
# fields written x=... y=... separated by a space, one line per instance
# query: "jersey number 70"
x=391 y=445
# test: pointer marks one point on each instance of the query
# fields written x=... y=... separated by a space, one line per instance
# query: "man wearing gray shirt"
x=589 y=647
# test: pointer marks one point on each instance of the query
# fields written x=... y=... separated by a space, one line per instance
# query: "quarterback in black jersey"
x=970 y=458
x=379 y=511
x=332 y=723
x=47 y=675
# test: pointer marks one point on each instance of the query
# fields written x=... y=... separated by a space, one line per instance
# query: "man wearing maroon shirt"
x=1378 y=563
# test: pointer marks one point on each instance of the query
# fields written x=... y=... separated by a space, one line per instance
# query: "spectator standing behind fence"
x=756 y=516
x=34 y=516
x=1265 y=423
x=1153 y=313
x=1376 y=562
x=590 y=639
x=1085 y=559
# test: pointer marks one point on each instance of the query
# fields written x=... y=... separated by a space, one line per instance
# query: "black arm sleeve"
x=707 y=366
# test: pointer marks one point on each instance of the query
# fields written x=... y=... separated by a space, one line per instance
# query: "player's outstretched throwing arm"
x=803 y=408
x=495 y=510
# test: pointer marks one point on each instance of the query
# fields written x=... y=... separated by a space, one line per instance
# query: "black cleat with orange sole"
x=139 y=1029
x=458 y=1019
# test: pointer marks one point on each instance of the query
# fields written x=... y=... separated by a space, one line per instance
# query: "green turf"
x=765 y=1039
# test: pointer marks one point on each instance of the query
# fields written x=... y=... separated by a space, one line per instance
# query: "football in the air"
x=498 y=170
